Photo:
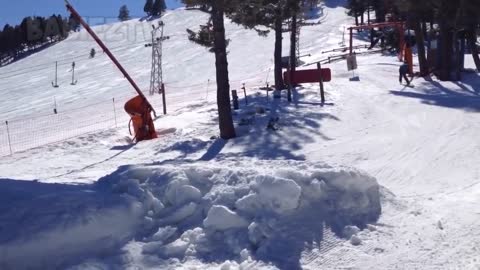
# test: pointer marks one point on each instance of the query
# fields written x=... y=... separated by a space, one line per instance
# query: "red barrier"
x=308 y=76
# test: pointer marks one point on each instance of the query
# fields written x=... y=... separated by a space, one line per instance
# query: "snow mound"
x=230 y=214
x=236 y=211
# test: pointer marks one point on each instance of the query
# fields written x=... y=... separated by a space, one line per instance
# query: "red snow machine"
x=139 y=109
x=141 y=119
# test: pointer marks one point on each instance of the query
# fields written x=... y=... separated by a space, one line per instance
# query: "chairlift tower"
x=156 y=79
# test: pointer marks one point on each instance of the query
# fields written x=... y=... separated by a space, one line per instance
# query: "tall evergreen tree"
x=123 y=13
x=159 y=7
x=73 y=24
x=148 y=8
x=217 y=12
x=8 y=37
x=2 y=45
x=227 y=130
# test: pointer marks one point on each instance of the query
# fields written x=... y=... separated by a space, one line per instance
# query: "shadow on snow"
x=439 y=95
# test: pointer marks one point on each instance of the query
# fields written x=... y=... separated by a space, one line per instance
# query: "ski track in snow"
x=421 y=144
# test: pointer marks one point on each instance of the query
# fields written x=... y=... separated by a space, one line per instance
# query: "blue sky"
x=13 y=11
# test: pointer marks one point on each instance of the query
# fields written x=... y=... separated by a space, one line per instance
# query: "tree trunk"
x=368 y=13
x=278 y=52
x=227 y=130
x=456 y=54
x=424 y=28
x=446 y=50
x=356 y=17
x=293 y=44
x=380 y=11
x=472 y=39
x=422 y=59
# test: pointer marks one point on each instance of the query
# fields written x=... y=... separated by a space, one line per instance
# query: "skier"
x=403 y=70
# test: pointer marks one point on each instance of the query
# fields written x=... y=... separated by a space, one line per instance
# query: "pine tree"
x=2 y=45
x=269 y=13
x=8 y=37
x=148 y=8
x=123 y=13
x=227 y=130
x=159 y=7
x=217 y=12
x=451 y=20
x=73 y=24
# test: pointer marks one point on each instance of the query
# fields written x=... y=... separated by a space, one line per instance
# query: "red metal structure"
x=398 y=25
x=138 y=107
x=405 y=53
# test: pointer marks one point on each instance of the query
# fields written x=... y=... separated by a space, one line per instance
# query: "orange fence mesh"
x=26 y=133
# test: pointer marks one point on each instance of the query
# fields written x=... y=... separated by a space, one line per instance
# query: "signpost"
x=318 y=75
x=352 y=65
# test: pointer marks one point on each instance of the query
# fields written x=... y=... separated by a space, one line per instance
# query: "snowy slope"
x=26 y=85
x=421 y=144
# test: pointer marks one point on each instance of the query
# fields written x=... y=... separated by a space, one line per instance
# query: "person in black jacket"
x=403 y=73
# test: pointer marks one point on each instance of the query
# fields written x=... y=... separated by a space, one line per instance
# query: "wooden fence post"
x=235 y=100
x=245 y=93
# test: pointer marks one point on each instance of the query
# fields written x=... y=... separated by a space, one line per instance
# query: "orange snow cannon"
x=138 y=107
x=141 y=119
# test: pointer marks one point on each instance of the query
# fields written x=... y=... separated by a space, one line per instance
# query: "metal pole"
x=322 y=93
x=56 y=73
x=114 y=112
x=107 y=51
x=8 y=135
x=55 y=111
x=290 y=83
x=351 y=40
x=268 y=90
x=245 y=93
x=164 y=101
x=73 y=74
x=55 y=85
x=208 y=85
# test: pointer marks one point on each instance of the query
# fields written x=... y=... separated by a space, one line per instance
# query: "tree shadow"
x=121 y=148
x=439 y=95
x=472 y=80
x=214 y=150
x=283 y=129
x=185 y=148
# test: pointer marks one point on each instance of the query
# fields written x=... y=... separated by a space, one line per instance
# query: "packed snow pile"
x=234 y=211
x=250 y=210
